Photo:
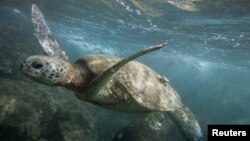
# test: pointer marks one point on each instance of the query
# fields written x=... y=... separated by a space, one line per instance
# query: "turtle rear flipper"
x=187 y=123
x=44 y=35
x=102 y=79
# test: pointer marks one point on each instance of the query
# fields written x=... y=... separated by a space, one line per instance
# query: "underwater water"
x=207 y=61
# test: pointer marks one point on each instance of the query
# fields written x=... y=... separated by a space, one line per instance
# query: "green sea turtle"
x=108 y=81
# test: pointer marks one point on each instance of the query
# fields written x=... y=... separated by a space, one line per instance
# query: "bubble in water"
x=155 y=120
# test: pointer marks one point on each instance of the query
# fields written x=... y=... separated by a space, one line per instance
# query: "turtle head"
x=45 y=69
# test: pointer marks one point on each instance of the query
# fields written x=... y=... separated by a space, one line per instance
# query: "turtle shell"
x=134 y=88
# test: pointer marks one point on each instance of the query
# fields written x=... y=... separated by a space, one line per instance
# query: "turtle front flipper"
x=44 y=35
x=102 y=79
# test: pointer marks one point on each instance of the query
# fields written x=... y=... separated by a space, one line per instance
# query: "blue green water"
x=207 y=60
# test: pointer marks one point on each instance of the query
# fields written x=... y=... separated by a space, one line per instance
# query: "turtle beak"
x=24 y=65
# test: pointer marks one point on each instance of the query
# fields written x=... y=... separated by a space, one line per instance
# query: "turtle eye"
x=36 y=65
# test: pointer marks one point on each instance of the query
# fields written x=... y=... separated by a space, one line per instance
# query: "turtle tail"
x=187 y=124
